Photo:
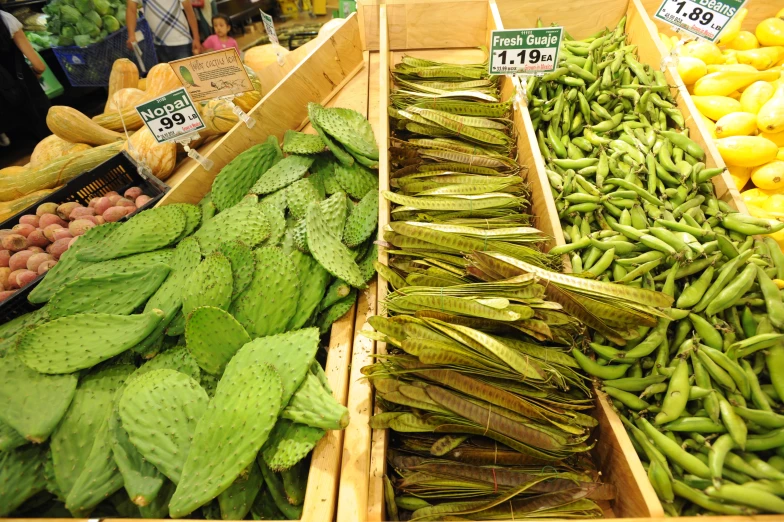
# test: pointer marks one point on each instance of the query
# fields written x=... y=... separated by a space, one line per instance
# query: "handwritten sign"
x=213 y=75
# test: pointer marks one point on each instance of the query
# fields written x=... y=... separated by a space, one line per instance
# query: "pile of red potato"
x=33 y=246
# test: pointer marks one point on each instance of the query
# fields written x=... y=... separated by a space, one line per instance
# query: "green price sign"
x=702 y=18
x=171 y=116
x=525 y=51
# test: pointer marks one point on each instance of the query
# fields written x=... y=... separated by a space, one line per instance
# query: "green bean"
x=695 y=424
x=677 y=394
x=771 y=440
x=773 y=301
x=594 y=369
x=715 y=371
x=732 y=368
x=704 y=501
x=748 y=496
x=763 y=468
x=758 y=397
x=726 y=274
x=629 y=400
x=706 y=331
x=633 y=384
x=694 y=292
x=674 y=452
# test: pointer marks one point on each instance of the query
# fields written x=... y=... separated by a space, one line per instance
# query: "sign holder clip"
x=184 y=140
x=242 y=115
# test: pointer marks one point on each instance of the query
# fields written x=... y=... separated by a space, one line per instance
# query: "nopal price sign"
x=525 y=51
x=702 y=18
x=171 y=116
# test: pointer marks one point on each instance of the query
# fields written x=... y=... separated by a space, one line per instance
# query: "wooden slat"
x=316 y=79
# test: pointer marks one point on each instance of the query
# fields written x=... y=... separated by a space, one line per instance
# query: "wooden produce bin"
x=335 y=74
x=452 y=31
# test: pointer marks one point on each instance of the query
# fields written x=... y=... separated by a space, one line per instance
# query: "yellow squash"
x=770 y=118
x=723 y=83
x=736 y=124
x=746 y=151
x=714 y=107
x=744 y=41
x=740 y=175
x=770 y=32
x=755 y=96
x=769 y=176
x=691 y=69
x=732 y=29
x=762 y=58
x=705 y=51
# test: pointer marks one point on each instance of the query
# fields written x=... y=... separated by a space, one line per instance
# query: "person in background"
x=169 y=22
x=221 y=39
x=23 y=100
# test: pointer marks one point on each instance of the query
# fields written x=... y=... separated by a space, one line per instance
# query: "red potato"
x=123 y=202
x=14 y=242
x=142 y=200
x=45 y=266
x=51 y=219
x=98 y=220
x=23 y=230
x=80 y=226
x=113 y=198
x=12 y=281
x=6 y=294
x=61 y=233
x=101 y=204
x=6 y=232
x=133 y=193
x=18 y=261
x=59 y=247
x=114 y=214
x=46 y=208
x=81 y=212
x=65 y=209
x=92 y=202
x=5 y=257
x=37 y=238
x=112 y=193
x=35 y=249
x=25 y=277
x=4 y=273
x=49 y=231
x=29 y=219
x=35 y=260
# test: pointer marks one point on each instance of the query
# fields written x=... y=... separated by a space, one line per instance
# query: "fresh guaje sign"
x=525 y=51
x=171 y=116
x=702 y=18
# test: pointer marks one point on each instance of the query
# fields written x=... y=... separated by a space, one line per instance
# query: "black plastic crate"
x=118 y=173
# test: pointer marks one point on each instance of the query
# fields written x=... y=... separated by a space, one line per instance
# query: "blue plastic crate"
x=90 y=66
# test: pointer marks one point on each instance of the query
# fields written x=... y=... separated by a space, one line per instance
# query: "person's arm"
x=191 y=16
x=130 y=22
x=24 y=45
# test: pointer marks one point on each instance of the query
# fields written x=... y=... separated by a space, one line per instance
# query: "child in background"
x=221 y=39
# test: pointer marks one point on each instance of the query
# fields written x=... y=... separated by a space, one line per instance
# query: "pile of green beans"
x=702 y=392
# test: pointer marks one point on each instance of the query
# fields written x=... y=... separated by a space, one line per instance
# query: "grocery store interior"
x=392 y=260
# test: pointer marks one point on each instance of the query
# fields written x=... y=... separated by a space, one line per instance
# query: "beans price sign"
x=171 y=116
x=525 y=51
x=702 y=18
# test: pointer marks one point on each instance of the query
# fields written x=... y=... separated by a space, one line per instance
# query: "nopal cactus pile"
x=171 y=370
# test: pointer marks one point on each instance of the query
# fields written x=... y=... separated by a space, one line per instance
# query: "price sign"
x=269 y=26
x=525 y=51
x=212 y=75
x=702 y=18
x=171 y=116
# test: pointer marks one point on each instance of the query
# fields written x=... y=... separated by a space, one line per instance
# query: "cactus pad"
x=336 y=291
x=278 y=493
x=323 y=168
x=300 y=143
x=159 y=507
x=209 y=285
x=295 y=482
x=366 y=263
x=313 y=406
x=277 y=223
x=278 y=199
x=118 y=294
x=243 y=222
x=142 y=480
x=73 y=440
x=351 y=129
x=356 y=180
x=10 y=438
x=313 y=280
x=192 y=218
x=235 y=502
x=177 y=326
x=159 y=411
x=299 y=195
x=30 y=402
x=235 y=179
x=242 y=262
x=329 y=251
x=146 y=231
x=99 y=477
x=362 y=221
x=213 y=336
x=335 y=312
x=68 y=263
x=289 y=443
x=233 y=429
x=21 y=477
x=176 y=358
x=81 y=341
x=283 y=174
x=270 y=301
x=337 y=150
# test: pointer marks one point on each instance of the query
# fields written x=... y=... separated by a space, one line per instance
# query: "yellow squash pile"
x=738 y=88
